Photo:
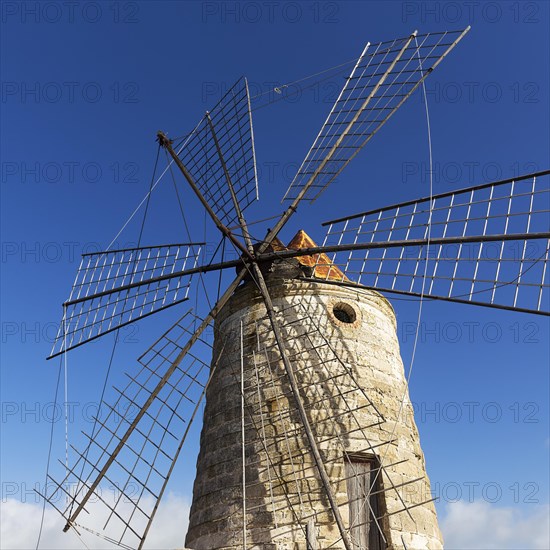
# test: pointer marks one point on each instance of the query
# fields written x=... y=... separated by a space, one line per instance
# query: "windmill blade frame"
x=222 y=143
x=136 y=453
x=114 y=288
x=515 y=219
x=333 y=149
x=449 y=231
x=144 y=424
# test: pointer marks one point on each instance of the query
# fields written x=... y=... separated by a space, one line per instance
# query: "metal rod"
x=300 y=406
x=141 y=248
x=240 y=217
x=284 y=254
x=252 y=139
x=166 y=143
x=176 y=455
x=311 y=535
x=199 y=269
x=440 y=196
x=243 y=443
x=431 y=297
x=82 y=342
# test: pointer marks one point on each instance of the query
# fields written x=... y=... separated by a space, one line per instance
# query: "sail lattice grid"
x=222 y=146
x=487 y=244
x=136 y=438
x=117 y=287
x=385 y=75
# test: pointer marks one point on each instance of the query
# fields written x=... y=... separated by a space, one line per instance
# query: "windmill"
x=304 y=442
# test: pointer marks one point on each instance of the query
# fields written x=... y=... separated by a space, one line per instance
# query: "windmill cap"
x=323 y=267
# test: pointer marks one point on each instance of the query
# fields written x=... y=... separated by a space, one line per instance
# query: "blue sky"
x=84 y=91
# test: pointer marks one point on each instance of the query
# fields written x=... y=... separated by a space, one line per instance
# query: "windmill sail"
x=117 y=287
x=486 y=245
x=384 y=77
x=221 y=146
x=136 y=440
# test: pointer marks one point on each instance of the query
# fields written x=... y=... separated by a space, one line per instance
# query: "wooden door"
x=360 y=476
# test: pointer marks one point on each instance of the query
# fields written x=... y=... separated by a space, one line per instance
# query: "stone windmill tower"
x=343 y=345
x=308 y=439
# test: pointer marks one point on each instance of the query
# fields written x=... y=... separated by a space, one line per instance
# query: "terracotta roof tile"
x=324 y=268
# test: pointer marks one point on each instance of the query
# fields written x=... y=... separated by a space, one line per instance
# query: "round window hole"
x=344 y=313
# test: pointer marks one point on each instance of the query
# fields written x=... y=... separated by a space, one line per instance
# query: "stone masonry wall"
x=352 y=383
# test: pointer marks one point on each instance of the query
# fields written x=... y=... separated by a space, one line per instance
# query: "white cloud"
x=20 y=522
x=476 y=525
x=480 y=525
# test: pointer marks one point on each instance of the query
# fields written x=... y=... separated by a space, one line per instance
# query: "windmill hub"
x=309 y=266
x=272 y=267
